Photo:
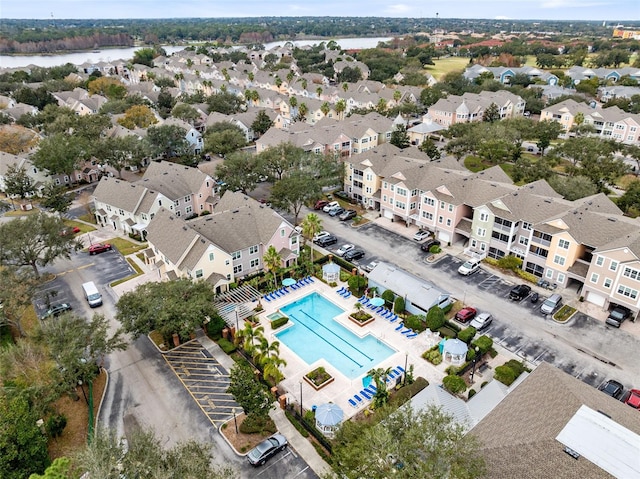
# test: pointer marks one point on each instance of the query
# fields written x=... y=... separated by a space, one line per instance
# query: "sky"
x=612 y=10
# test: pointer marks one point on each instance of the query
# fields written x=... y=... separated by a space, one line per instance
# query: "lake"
x=112 y=54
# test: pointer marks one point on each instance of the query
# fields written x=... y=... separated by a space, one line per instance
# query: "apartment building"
x=470 y=107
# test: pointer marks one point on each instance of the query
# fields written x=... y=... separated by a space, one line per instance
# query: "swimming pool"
x=316 y=335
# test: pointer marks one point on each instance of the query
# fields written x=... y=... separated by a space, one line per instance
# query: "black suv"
x=617 y=316
x=612 y=388
x=519 y=292
x=353 y=254
x=327 y=240
x=426 y=246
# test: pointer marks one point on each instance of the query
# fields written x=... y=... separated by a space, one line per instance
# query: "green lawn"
x=447 y=65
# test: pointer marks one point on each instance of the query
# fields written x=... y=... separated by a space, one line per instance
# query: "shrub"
x=435 y=249
x=278 y=323
x=510 y=262
x=516 y=366
x=226 y=345
x=484 y=383
x=415 y=322
x=452 y=370
x=318 y=376
x=532 y=278
x=254 y=424
x=472 y=392
x=300 y=428
x=398 y=305
x=452 y=325
x=484 y=343
x=388 y=296
x=408 y=391
x=55 y=424
x=454 y=384
x=471 y=354
x=447 y=308
x=215 y=326
x=435 y=319
x=357 y=284
x=434 y=357
x=505 y=375
x=467 y=334
x=447 y=333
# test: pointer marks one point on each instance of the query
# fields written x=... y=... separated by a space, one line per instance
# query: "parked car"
x=327 y=240
x=369 y=267
x=617 y=316
x=469 y=267
x=612 y=388
x=319 y=235
x=353 y=254
x=320 y=204
x=336 y=211
x=56 y=310
x=99 y=248
x=266 y=449
x=70 y=231
x=344 y=248
x=519 y=292
x=421 y=235
x=426 y=246
x=348 y=214
x=481 y=321
x=466 y=314
x=634 y=399
x=329 y=206
x=550 y=304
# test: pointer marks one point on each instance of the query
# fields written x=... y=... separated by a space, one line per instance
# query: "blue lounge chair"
x=393 y=318
x=341 y=290
x=361 y=299
x=372 y=389
x=266 y=298
x=365 y=301
x=400 y=368
x=358 y=399
x=408 y=331
x=277 y=293
x=400 y=326
x=353 y=403
x=388 y=314
x=310 y=279
x=412 y=335
x=307 y=280
x=367 y=395
x=379 y=309
x=346 y=295
x=392 y=374
x=294 y=286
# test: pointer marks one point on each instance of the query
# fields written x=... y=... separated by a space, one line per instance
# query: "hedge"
x=416 y=322
x=484 y=343
x=505 y=375
x=226 y=345
x=454 y=384
x=278 y=323
x=253 y=424
x=447 y=333
x=467 y=334
x=407 y=392
x=435 y=319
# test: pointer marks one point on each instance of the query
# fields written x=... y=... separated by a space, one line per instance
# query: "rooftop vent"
x=547 y=201
x=613 y=220
x=572 y=453
x=184 y=228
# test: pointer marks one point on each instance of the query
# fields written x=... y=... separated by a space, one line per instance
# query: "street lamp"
x=83 y=393
x=235 y=421
x=300 y=398
x=237 y=320
x=475 y=360
x=404 y=379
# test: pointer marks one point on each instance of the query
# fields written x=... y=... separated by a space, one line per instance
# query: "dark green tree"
x=248 y=392
x=295 y=190
x=61 y=153
x=546 y=132
x=262 y=123
x=179 y=306
x=185 y=112
x=572 y=187
x=168 y=141
x=429 y=147
x=144 y=56
x=281 y=158
x=240 y=171
x=56 y=198
x=491 y=114
x=223 y=138
x=226 y=103
x=121 y=152
x=400 y=137
x=629 y=202
x=17 y=182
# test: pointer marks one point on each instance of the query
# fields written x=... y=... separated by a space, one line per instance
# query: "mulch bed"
x=242 y=443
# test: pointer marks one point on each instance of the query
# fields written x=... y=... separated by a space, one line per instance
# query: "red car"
x=634 y=398
x=99 y=248
x=466 y=314
x=70 y=231
x=320 y=204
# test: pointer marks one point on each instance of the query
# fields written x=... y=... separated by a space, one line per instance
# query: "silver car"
x=266 y=449
x=481 y=321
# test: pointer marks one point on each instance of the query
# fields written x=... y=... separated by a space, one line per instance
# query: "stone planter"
x=362 y=323
x=317 y=387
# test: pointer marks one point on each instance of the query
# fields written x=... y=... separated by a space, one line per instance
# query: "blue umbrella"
x=377 y=301
x=366 y=381
x=288 y=281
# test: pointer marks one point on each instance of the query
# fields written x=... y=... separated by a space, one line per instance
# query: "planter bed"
x=319 y=374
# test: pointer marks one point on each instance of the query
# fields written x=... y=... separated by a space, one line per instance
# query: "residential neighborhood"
x=303 y=260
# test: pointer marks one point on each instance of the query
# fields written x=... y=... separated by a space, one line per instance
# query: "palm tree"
x=252 y=337
x=311 y=226
x=278 y=82
x=341 y=106
x=272 y=368
x=302 y=111
x=272 y=261
x=290 y=76
x=267 y=355
x=381 y=106
x=304 y=83
x=250 y=76
x=325 y=108
x=397 y=95
x=319 y=91
x=345 y=86
x=382 y=394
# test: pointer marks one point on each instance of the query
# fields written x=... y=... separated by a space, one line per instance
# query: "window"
x=385 y=185
x=294 y=240
x=236 y=255
x=474 y=243
x=121 y=212
x=450 y=207
x=412 y=206
x=560 y=278
x=628 y=292
x=178 y=213
x=484 y=216
x=199 y=273
x=524 y=241
x=384 y=198
x=600 y=261
x=187 y=199
x=282 y=233
x=237 y=269
x=594 y=277
x=613 y=266
x=253 y=249
x=526 y=226
x=631 y=273
x=483 y=246
x=401 y=191
x=401 y=205
x=440 y=219
x=557 y=259
x=608 y=282
x=226 y=262
x=481 y=232
x=392 y=187
x=442 y=204
x=211 y=257
x=188 y=209
x=255 y=262
x=427 y=215
x=429 y=201
x=564 y=244
x=176 y=202
x=448 y=221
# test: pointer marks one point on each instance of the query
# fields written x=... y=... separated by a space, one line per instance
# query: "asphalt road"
x=584 y=347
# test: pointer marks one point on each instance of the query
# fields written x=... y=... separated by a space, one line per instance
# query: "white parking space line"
x=273 y=463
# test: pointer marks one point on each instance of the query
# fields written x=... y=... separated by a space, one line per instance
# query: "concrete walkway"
x=301 y=444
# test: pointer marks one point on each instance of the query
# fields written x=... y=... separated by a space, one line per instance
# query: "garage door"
x=444 y=237
x=388 y=214
x=596 y=298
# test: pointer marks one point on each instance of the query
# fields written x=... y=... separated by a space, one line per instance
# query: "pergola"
x=237 y=304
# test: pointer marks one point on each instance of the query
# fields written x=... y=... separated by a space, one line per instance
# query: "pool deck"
x=342 y=388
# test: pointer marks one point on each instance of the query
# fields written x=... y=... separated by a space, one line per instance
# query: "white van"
x=91 y=294
x=552 y=303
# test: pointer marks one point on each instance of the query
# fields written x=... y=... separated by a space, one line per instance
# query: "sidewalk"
x=299 y=443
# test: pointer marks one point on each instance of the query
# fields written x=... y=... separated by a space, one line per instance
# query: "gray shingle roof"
x=172 y=180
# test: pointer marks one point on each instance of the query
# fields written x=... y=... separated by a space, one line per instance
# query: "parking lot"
x=205 y=379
